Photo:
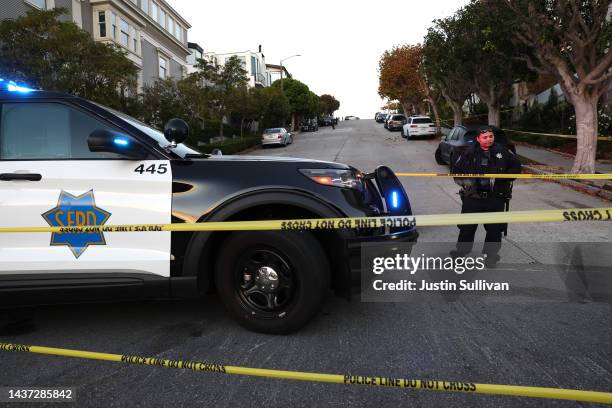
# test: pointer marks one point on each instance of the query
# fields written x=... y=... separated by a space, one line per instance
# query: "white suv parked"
x=418 y=126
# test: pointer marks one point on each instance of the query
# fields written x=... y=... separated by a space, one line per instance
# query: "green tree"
x=299 y=96
x=329 y=104
x=570 y=39
x=167 y=99
x=490 y=66
x=444 y=54
x=220 y=83
x=315 y=107
x=54 y=55
x=273 y=105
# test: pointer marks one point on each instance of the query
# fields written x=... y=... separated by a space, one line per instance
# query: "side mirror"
x=290 y=134
x=216 y=152
x=176 y=131
x=115 y=142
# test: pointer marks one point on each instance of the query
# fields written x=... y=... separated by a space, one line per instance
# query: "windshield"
x=421 y=120
x=181 y=149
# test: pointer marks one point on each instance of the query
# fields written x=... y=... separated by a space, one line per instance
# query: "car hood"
x=278 y=159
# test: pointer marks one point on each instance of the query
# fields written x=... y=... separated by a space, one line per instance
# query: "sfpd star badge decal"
x=73 y=211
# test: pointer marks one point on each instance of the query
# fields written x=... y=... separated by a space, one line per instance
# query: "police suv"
x=66 y=161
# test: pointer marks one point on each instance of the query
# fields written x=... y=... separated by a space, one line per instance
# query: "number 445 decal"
x=159 y=169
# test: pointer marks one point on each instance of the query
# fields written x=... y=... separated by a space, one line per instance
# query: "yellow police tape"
x=590 y=176
x=406 y=221
x=374 y=381
x=554 y=135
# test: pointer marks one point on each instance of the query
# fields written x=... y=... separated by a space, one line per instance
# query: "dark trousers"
x=465 y=241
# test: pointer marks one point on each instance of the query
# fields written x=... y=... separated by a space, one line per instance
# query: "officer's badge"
x=499 y=155
x=76 y=211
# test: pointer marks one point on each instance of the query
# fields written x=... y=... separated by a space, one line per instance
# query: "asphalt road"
x=567 y=345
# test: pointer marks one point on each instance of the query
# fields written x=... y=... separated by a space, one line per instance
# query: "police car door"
x=50 y=178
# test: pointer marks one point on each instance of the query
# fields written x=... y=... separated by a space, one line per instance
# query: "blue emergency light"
x=395 y=199
x=121 y=141
x=11 y=86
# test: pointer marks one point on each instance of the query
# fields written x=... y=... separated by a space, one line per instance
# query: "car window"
x=456 y=134
x=451 y=134
x=273 y=130
x=421 y=120
x=59 y=132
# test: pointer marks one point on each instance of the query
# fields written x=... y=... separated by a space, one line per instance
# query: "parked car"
x=326 y=121
x=276 y=136
x=463 y=136
x=80 y=164
x=376 y=115
x=309 y=125
x=387 y=119
x=418 y=126
x=350 y=117
x=381 y=117
x=396 y=122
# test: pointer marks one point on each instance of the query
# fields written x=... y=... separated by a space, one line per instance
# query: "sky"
x=340 y=42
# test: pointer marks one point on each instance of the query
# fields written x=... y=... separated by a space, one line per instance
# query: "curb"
x=576 y=185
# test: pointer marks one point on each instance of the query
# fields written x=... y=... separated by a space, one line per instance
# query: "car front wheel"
x=439 y=158
x=272 y=281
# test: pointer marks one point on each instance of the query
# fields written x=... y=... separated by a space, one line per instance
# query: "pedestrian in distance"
x=484 y=194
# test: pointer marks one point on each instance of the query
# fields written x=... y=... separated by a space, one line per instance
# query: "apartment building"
x=151 y=32
x=253 y=62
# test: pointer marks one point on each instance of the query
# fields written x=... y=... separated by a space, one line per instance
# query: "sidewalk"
x=553 y=159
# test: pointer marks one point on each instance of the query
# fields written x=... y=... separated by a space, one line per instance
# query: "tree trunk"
x=241 y=126
x=456 y=107
x=221 y=127
x=407 y=108
x=493 y=114
x=432 y=103
x=586 y=132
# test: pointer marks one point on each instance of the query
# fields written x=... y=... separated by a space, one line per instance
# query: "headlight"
x=335 y=177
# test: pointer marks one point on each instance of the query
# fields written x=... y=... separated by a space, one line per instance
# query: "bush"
x=210 y=130
x=231 y=146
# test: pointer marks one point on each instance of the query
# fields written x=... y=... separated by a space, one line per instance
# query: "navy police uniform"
x=484 y=194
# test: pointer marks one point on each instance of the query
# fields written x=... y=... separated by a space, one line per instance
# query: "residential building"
x=151 y=32
x=253 y=62
x=195 y=53
x=274 y=72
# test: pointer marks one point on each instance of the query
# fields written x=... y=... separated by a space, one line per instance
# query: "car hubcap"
x=266 y=281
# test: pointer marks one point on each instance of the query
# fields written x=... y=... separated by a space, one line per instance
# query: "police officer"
x=484 y=194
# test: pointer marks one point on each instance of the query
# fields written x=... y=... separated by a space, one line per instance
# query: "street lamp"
x=281 y=68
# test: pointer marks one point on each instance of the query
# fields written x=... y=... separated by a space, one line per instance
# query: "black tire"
x=439 y=158
x=302 y=282
x=451 y=160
